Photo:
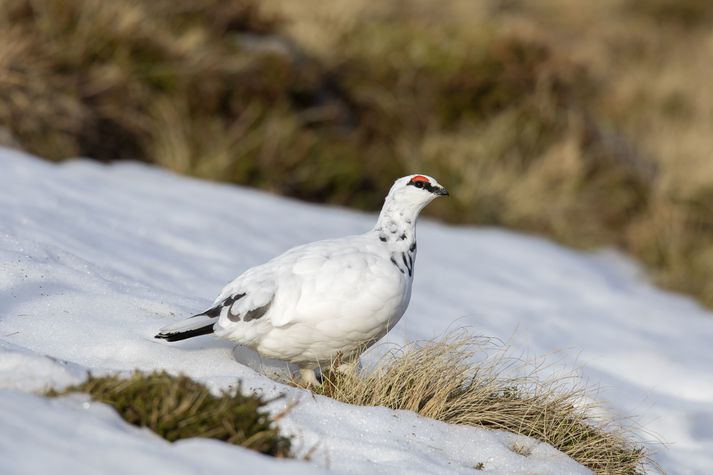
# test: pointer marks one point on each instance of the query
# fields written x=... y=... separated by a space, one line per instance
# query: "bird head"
x=414 y=192
x=407 y=197
x=425 y=183
x=417 y=189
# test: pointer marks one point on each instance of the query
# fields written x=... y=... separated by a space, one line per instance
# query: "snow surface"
x=96 y=258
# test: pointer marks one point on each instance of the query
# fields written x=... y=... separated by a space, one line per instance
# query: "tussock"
x=439 y=380
x=176 y=407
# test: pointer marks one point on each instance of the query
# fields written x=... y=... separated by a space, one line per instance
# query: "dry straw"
x=549 y=117
x=440 y=380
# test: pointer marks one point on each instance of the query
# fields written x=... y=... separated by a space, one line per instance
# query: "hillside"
x=95 y=258
x=536 y=112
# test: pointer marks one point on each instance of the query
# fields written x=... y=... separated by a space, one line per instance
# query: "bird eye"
x=419 y=181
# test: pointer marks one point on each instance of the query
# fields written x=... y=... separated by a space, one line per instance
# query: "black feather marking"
x=426 y=185
x=408 y=267
x=256 y=313
x=403 y=237
x=214 y=311
x=233 y=317
x=231 y=300
x=382 y=238
x=413 y=247
x=178 y=336
x=393 y=261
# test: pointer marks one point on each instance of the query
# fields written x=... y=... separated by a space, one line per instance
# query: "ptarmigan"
x=326 y=298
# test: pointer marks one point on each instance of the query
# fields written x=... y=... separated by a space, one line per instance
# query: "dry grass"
x=629 y=160
x=439 y=380
x=589 y=123
x=176 y=407
x=618 y=153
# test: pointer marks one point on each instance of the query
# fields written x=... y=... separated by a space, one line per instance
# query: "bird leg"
x=308 y=377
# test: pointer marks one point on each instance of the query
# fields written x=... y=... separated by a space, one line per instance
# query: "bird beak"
x=441 y=191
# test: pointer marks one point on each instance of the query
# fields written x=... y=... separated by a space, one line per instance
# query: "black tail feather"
x=178 y=336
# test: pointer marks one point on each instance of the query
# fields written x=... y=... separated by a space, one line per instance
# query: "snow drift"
x=96 y=258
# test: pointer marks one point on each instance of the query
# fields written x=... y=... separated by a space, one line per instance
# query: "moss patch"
x=176 y=407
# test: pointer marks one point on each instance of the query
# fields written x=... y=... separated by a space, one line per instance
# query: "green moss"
x=176 y=407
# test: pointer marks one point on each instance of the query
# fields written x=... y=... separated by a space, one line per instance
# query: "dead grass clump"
x=215 y=88
x=176 y=407
x=115 y=60
x=503 y=117
x=203 y=87
x=521 y=449
x=676 y=238
x=681 y=13
x=440 y=381
x=614 y=153
x=37 y=106
x=549 y=117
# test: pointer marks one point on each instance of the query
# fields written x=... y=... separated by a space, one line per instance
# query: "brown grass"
x=629 y=160
x=589 y=123
x=439 y=380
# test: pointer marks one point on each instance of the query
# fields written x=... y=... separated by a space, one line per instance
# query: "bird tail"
x=196 y=325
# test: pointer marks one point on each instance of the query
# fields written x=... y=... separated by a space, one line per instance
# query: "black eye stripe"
x=426 y=185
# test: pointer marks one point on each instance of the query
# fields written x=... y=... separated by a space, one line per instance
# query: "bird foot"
x=308 y=377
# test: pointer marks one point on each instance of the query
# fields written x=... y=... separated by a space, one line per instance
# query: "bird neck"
x=396 y=225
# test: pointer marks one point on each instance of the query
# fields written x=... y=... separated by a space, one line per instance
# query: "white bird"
x=324 y=299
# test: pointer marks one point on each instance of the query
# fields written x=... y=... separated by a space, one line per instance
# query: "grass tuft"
x=521 y=449
x=176 y=407
x=681 y=13
x=439 y=380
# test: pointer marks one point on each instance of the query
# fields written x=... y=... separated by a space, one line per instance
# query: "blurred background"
x=587 y=122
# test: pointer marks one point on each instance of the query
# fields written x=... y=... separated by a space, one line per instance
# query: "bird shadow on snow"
x=194 y=345
x=274 y=369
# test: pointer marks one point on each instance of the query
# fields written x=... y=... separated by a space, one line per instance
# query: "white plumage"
x=326 y=298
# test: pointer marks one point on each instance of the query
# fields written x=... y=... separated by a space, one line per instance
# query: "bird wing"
x=313 y=282
x=325 y=279
x=244 y=299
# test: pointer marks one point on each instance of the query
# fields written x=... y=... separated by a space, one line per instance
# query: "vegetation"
x=439 y=380
x=176 y=407
x=589 y=123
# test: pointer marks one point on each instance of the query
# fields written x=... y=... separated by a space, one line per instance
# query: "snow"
x=75 y=435
x=96 y=258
